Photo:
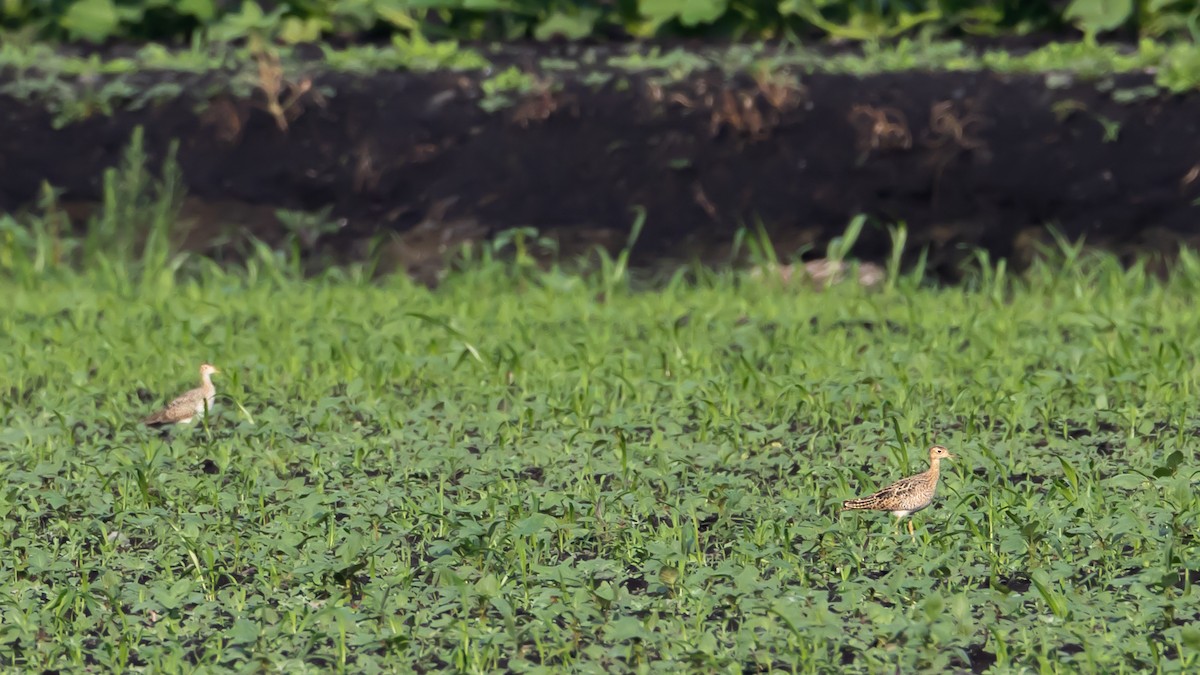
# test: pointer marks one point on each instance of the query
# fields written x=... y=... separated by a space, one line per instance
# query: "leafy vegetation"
x=532 y=468
x=294 y=21
x=1176 y=67
x=75 y=88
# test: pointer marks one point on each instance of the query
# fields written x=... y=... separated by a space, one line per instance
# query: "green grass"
x=528 y=470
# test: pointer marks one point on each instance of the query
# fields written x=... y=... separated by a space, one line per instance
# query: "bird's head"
x=939 y=452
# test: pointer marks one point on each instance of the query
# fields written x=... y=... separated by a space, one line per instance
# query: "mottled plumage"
x=191 y=404
x=907 y=495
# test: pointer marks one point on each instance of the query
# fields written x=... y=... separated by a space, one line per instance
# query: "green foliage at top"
x=73 y=88
x=295 y=21
x=531 y=470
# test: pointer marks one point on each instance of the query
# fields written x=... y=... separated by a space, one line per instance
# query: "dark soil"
x=974 y=159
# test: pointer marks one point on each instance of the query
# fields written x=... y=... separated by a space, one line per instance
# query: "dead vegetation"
x=822 y=272
x=751 y=113
x=880 y=129
x=950 y=129
x=283 y=98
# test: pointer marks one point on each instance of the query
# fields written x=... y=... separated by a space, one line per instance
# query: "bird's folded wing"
x=181 y=408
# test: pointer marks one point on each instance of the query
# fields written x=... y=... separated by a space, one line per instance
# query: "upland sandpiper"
x=190 y=404
x=907 y=495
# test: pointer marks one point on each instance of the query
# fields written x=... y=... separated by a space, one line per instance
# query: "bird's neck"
x=935 y=466
x=206 y=382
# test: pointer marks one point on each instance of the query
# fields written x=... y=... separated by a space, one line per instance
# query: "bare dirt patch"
x=963 y=158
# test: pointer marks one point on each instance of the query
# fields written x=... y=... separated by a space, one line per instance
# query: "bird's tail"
x=865 y=503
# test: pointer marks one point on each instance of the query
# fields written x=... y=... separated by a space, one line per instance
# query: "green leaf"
x=201 y=9
x=1054 y=600
x=1125 y=481
x=626 y=628
x=1094 y=16
x=747 y=580
x=397 y=14
x=1168 y=469
x=689 y=13
x=503 y=606
x=488 y=586
x=170 y=598
x=605 y=592
x=933 y=606
x=130 y=14
x=1190 y=635
x=572 y=27
x=1070 y=473
x=295 y=30
x=248 y=20
x=94 y=20
x=243 y=632
x=538 y=522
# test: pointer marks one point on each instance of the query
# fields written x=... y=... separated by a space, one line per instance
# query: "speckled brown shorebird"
x=190 y=404
x=907 y=495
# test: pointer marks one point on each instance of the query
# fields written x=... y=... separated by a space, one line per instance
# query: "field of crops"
x=548 y=458
x=527 y=468
x=297 y=21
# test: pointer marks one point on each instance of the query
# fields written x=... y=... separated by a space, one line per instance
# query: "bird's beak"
x=216 y=371
x=950 y=456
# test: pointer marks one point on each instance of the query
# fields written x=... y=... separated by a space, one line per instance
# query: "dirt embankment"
x=962 y=158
